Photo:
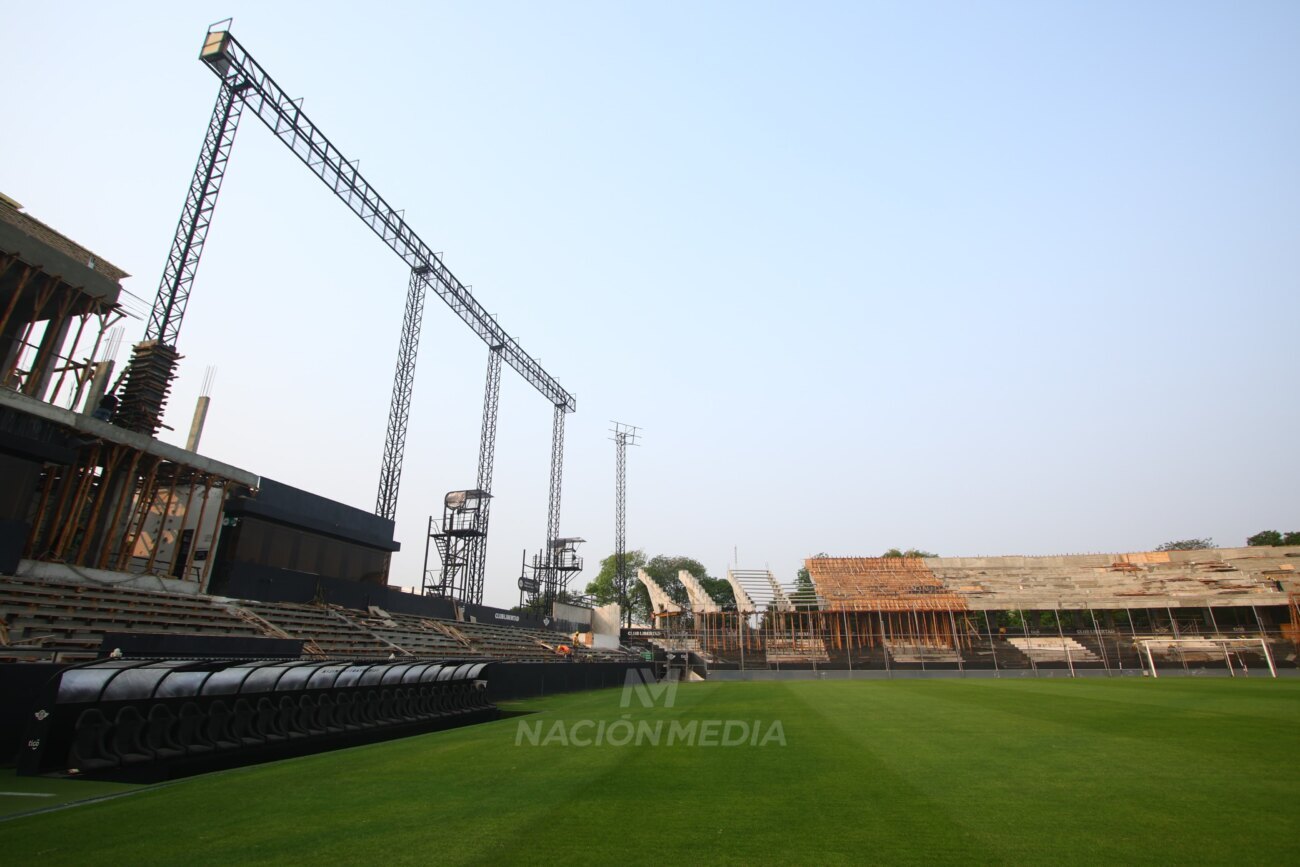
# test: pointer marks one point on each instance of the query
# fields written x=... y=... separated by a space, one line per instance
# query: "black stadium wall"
x=508 y=680
x=21 y=687
x=283 y=532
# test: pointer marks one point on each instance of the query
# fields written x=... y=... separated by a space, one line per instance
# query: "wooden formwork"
x=114 y=507
x=841 y=630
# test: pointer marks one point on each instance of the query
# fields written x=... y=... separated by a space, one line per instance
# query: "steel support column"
x=399 y=408
x=487 y=449
x=551 y=580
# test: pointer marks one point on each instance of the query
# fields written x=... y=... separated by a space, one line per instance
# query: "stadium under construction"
x=165 y=612
x=1223 y=610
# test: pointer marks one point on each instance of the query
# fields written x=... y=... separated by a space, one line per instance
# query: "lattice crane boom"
x=148 y=379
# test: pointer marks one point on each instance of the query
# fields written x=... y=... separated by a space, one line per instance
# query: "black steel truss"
x=553 y=500
x=399 y=409
x=148 y=379
x=487 y=448
x=285 y=118
x=192 y=229
x=246 y=84
x=557 y=562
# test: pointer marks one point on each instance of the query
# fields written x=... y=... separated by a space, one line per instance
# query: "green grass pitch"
x=971 y=771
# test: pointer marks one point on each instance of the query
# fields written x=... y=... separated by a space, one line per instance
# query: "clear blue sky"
x=982 y=278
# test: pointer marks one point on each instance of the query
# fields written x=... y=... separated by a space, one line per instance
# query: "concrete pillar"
x=9 y=345
x=47 y=357
x=98 y=385
x=196 y=426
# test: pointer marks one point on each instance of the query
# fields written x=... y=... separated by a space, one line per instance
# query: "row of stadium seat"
x=74 y=617
x=69 y=620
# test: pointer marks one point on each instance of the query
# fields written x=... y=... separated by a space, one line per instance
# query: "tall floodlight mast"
x=624 y=435
x=246 y=85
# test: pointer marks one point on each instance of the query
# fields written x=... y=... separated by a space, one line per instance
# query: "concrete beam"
x=111 y=433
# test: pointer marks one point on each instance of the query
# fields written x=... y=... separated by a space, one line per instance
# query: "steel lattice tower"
x=399 y=410
x=551 y=582
x=487 y=448
x=623 y=436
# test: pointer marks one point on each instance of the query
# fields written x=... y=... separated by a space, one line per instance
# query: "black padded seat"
x=128 y=736
x=326 y=713
x=191 y=731
x=241 y=723
x=218 y=726
x=160 y=733
x=368 y=708
x=290 y=718
x=267 y=721
x=90 y=742
x=345 y=710
x=308 y=716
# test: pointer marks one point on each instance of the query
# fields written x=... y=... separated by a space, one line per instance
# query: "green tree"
x=805 y=592
x=719 y=589
x=664 y=568
x=910 y=552
x=1187 y=545
x=604 y=587
x=1274 y=538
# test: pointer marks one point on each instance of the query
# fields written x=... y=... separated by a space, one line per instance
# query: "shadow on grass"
x=508 y=713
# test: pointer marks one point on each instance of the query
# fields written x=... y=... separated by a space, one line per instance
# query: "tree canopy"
x=663 y=568
x=1186 y=545
x=1273 y=538
x=604 y=587
x=910 y=552
x=805 y=592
